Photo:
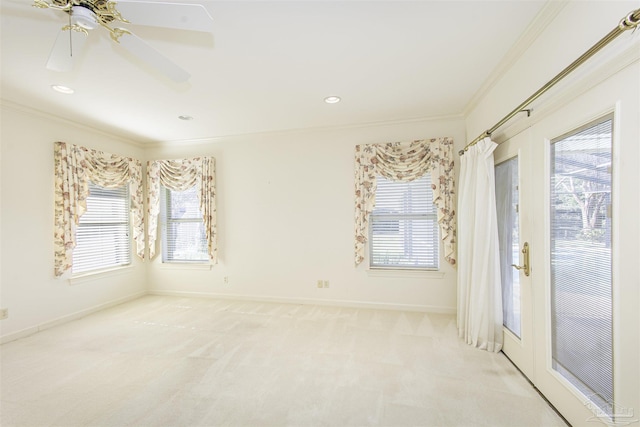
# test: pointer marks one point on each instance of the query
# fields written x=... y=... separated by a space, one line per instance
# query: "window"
x=102 y=236
x=403 y=230
x=183 y=237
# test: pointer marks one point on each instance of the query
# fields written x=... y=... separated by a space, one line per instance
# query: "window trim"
x=91 y=276
x=405 y=273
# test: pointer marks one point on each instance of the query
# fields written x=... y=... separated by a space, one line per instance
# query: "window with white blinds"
x=183 y=237
x=102 y=236
x=403 y=228
x=581 y=257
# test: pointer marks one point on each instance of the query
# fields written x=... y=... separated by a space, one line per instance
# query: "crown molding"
x=545 y=16
x=625 y=56
x=282 y=132
x=10 y=105
x=20 y=108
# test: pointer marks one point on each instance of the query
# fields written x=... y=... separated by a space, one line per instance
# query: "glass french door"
x=576 y=203
x=513 y=182
x=571 y=272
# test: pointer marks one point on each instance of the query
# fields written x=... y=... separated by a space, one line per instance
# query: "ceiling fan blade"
x=151 y=56
x=66 y=50
x=180 y=16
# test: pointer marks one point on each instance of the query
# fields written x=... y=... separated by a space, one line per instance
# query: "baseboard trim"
x=309 y=301
x=258 y=298
x=68 y=318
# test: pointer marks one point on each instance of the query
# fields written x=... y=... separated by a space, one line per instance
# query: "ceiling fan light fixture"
x=83 y=17
x=62 y=89
x=332 y=99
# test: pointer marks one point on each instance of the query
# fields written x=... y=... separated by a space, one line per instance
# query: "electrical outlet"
x=320 y=283
x=4 y=313
x=226 y=280
x=326 y=284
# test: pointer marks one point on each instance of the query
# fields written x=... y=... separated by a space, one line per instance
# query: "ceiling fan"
x=86 y=15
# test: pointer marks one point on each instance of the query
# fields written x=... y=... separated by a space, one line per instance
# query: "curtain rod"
x=630 y=21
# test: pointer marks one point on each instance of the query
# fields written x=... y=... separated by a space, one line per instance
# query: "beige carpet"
x=168 y=361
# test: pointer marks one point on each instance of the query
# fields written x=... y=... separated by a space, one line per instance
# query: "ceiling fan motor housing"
x=84 y=17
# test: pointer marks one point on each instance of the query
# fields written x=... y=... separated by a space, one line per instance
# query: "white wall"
x=285 y=206
x=286 y=219
x=28 y=287
x=285 y=215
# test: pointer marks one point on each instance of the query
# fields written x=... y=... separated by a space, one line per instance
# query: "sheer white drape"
x=479 y=286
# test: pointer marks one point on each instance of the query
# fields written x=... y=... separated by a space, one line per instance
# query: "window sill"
x=186 y=266
x=405 y=274
x=99 y=274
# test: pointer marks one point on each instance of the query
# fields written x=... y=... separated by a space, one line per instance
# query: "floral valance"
x=406 y=161
x=75 y=166
x=180 y=175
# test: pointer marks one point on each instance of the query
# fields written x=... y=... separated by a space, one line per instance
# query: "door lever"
x=525 y=267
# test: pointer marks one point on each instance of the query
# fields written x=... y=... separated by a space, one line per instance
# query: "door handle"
x=525 y=267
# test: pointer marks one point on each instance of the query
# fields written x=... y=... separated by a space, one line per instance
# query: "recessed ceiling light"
x=62 y=89
x=332 y=99
x=185 y=117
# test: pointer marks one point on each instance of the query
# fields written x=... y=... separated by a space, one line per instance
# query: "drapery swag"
x=180 y=175
x=406 y=161
x=75 y=166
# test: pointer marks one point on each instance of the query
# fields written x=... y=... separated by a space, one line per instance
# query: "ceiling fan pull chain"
x=70 y=36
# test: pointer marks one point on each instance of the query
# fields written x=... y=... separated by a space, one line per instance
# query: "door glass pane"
x=509 y=240
x=581 y=283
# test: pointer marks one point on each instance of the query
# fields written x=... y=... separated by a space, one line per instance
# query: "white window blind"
x=183 y=237
x=581 y=256
x=403 y=228
x=102 y=236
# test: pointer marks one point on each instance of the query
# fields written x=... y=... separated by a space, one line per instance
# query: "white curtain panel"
x=479 y=285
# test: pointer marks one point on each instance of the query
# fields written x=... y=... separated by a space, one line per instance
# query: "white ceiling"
x=268 y=65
